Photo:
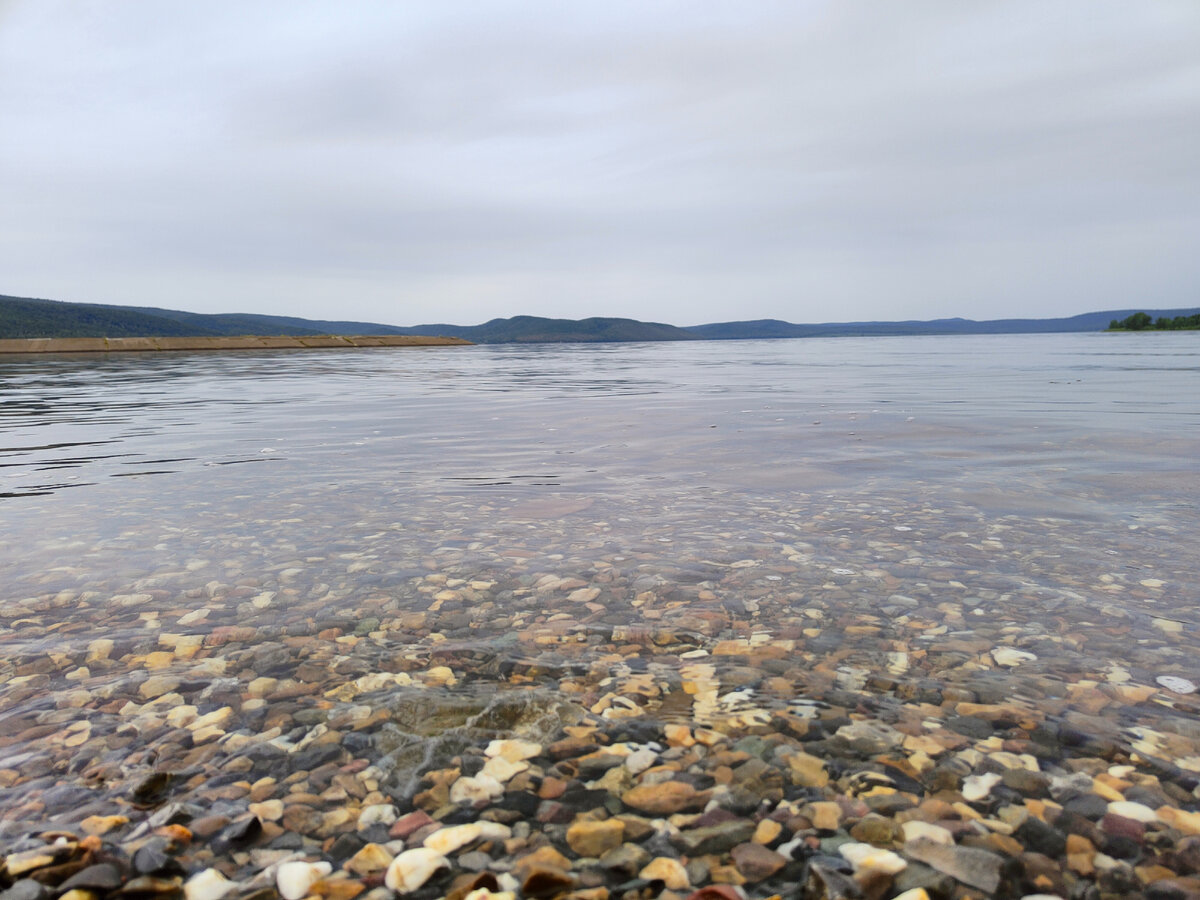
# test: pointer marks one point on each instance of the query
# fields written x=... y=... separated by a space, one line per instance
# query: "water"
x=544 y=516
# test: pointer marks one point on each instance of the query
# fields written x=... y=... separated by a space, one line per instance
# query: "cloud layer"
x=419 y=162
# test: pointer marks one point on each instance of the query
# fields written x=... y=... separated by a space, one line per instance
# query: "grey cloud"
x=681 y=162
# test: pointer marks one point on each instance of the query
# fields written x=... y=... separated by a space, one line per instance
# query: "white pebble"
x=866 y=858
x=513 y=750
x=413 y=868
x=1128 y=809
x=916 y=830
x=208 y=885
x=446 y=840
x=377 y=814
x=640 y=760
x=976 y=787
x=1010 y=657
x=1176 y=684
x=501 y=769
x=480 y=788
x=295 y=878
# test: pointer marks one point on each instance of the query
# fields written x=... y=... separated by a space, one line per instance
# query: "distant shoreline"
x=249 y=342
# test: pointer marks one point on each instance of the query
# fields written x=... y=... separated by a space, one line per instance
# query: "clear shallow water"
x=1038 y=492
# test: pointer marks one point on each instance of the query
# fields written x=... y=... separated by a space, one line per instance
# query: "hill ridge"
x=27 y=317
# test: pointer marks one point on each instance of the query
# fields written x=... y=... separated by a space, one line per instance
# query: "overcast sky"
x=413 y=162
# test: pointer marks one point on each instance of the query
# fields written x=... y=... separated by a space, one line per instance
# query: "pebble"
x=795 y=699
x=669 y=871
x=1176 y=684
x=208 y=884
x=294 y=879
x=413 y=868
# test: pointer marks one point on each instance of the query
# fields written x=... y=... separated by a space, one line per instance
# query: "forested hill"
x=535 y=329
x=23 y=317
x=774 y=328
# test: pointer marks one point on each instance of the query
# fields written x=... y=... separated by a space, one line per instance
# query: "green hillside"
x=24 y=317
x=535 y=329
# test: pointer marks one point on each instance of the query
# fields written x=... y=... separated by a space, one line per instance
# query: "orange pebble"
x=176 y=834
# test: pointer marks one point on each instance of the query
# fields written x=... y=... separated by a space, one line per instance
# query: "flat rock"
x=665 y=798
x=977 y=868
x=594 y=838
x=756 y=863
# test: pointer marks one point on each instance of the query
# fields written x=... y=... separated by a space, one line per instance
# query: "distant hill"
x=535 y=329
x=775 y=328
x=24 y=317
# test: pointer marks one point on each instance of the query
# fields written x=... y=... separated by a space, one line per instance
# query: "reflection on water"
x=732 y=412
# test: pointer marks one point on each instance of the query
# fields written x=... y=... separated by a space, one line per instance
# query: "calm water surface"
x=1034 y=491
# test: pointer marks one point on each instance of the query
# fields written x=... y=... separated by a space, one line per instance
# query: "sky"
x=451 y=162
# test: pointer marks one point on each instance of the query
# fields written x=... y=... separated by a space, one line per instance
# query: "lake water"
x=879 y=513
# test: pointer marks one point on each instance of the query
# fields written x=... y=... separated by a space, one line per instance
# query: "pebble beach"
x=845 y=662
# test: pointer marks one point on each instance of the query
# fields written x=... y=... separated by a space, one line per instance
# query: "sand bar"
x=248 y=342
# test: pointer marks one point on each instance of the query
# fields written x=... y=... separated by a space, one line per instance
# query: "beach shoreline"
x=245 y=342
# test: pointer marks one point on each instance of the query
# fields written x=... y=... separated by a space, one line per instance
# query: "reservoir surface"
x=421 y=550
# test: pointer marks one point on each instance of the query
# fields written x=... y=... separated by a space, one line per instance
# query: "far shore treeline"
x=1143 y=321
x=29 y=318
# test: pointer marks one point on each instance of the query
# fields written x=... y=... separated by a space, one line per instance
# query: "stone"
x=807 y=770
x=102 y=824
x=369 y=859
x=914 y=830
x=628 y=859
x=413 y=868
x=157 y=685
x=592 y=838
x=640 y=760
x=876 y=829
x=869 y=738
x=546 y=881
x=376 y=814
x=475 y=790
x=208 y=884
x=26 y=889
x=1179 y=819
x=755 y=862
x=664 y=799
x=294 y=879
x=446 y=840
x=1128 y=809
x=977 y=868
x=1176 y=684
x=669 y=871
x=825 y=815
x=502 y=770
x=869 y=859
x=977 y=787
x=100 y=877
x=1010 y=657
x=767 y=831
x=717 y=838
x=408 y=824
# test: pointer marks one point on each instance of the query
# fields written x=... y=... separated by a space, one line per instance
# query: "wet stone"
x=848 y=690
x=25 y=889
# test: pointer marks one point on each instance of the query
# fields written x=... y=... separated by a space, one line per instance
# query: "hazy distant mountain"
x=23 y=317
x=774 y=328
x=535 y=329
